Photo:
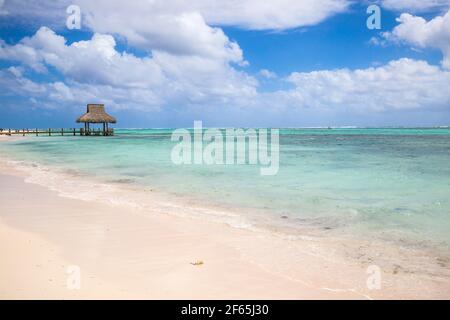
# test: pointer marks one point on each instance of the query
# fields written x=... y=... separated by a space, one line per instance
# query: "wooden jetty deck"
x=58 y=132
x=95 y=114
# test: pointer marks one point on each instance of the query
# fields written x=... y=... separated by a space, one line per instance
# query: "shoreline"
x=128 y=251
x=295 y=269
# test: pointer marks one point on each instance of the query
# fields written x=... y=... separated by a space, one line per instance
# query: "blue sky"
x=339 y=42
x=278 y=67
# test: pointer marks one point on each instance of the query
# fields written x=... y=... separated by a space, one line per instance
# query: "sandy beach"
x=225 y=150
x=131 y=253
x=124 y=255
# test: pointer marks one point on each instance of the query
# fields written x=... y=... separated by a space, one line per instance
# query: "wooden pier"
x=95 y=114
x=58 y=132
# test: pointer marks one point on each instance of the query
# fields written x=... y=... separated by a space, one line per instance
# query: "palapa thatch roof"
x=96 y=114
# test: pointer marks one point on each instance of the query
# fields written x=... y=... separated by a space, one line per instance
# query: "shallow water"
x=390 y=184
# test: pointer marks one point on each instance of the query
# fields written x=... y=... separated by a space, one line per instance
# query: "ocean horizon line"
x=292 y=128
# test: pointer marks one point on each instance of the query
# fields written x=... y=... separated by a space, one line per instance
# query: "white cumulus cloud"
x=416 y=5
x=145 y=17
x=95 y=66
x=419 y=32
x=401 y=84
x=267 y=74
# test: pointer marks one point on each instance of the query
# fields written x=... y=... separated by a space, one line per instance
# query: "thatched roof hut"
x=96 y=114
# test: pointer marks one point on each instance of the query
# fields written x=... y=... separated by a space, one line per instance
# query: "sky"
x=246 y=63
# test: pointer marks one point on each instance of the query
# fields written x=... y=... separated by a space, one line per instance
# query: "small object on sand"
x=197 y=263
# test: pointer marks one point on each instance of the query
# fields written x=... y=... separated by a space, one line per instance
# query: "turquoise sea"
x=385 y=183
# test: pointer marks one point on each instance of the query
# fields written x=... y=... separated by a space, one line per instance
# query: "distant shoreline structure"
x=95 y=114
x=69 y=131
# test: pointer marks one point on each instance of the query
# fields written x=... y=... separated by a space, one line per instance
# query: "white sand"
x=126 y=253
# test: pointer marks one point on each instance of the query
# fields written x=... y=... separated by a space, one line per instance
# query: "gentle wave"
x=77 y=185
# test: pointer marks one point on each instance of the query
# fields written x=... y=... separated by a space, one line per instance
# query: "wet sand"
x=126 y=252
